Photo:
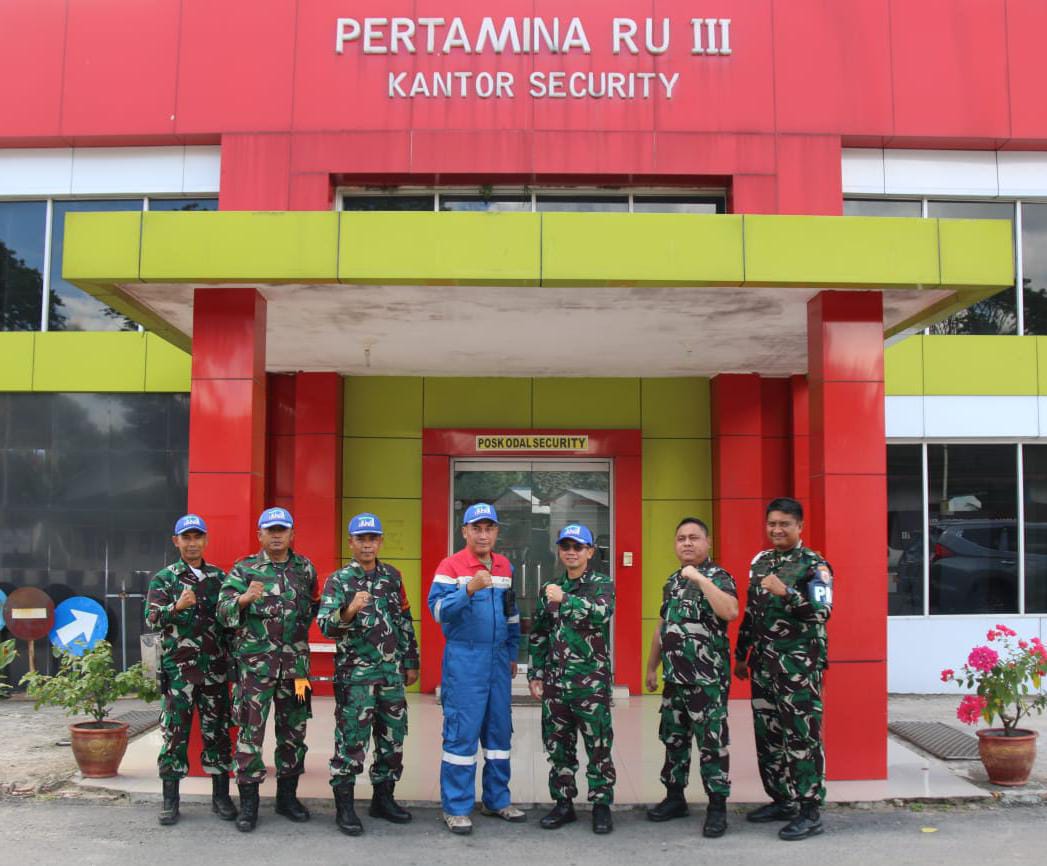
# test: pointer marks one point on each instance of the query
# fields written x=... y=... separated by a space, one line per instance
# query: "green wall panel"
x=674 y=408
x=390 y=468
x=575 y=403
x=677 y=469
x=401 y=520
x=383 y=406
x=464 y=402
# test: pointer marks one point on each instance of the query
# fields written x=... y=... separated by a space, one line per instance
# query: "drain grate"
x=941 y=740
x=140 y=721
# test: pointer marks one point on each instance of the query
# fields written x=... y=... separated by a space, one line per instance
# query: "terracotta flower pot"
x=1007 y=760
x=99 y=747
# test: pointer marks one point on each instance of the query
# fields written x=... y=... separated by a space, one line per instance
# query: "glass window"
x=677 y=204
x=22 y=230
x=882 y=207
x=71 y=308
x=904 y=530
x=583 y=203
x=90 y=485
x=1035 y=471
x=1034 y=267
x=973 y=504
x=995 y=315
x=388 y=202
x=516 y=203
x=166 y=204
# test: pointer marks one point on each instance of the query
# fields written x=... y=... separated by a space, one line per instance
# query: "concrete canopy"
x=533 y=294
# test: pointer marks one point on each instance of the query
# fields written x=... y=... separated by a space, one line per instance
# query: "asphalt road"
x=116 y=833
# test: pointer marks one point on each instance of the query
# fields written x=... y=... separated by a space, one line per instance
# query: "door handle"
x=523 y=580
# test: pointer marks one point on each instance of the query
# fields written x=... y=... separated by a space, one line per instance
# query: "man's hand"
x=360 y=601
x=741 y=669
x=481 y=580
x=254 y=591
x=410 y=676
x=186 y=599
x=691 y=573
x=652 y=680
x=554 y=593
x=512 y=670
x=774 y=586
x=536 y=688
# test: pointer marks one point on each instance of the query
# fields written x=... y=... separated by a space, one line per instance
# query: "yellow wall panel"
x=89 y=361
x=167 y=368
x=16 y=360
x=675 y=408
x=677 y=469
x=383 y=406
x=463 y=402
x=980 y=365
x=606 y=404
x=903 y=367
x=390 y=468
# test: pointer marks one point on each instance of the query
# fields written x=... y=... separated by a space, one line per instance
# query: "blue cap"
x=478 y=512
x=275 y=517
x=365 y=524
x=576 y=532
x=190 y=523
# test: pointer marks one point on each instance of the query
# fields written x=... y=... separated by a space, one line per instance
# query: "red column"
x=801 y=439
x=227 y=419
x=848 y=510
x=776 y=432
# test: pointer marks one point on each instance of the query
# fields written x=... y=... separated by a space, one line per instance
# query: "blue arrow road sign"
x=80 y=623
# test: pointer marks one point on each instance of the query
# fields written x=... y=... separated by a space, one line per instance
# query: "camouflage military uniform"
x=696 y=666
x=570 y=655
x=373 y=650
x=784 y=641
x=271 y=649
x=193 y=668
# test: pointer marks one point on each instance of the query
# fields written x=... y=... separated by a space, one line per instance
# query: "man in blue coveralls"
x=471 y=598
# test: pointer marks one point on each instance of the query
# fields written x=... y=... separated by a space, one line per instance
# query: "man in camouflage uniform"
x=269 y=599
x=782 y=649
x=364 y=608
x=570 y=673
x=193 y=666
x=698 y=601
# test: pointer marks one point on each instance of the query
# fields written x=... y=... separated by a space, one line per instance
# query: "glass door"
x=535 y=499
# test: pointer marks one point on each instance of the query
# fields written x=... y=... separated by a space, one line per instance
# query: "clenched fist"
x=481 y=580
x=254 y=591
x=554 y=592
x=186 y=599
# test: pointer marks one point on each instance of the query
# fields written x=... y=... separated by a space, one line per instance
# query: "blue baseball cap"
x=576 y=532
x=190 y=523
x=275 y=517
x=365 y=524
x=478 y=512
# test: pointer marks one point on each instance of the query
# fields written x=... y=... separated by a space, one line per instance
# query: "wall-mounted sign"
x=552 y=37
x=531 y=442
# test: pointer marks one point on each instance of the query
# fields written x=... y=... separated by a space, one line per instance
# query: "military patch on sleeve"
x=820 y=586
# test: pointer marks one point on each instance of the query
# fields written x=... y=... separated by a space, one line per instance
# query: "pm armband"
x=820 y=587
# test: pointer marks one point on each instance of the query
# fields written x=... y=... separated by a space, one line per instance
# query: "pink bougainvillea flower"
x=983 y=659
x=970 y=709
x=1024 y=644
x=947 y=674
x=990 y=635
x=1002 y=629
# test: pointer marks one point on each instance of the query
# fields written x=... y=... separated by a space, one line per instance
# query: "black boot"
x=287 y=802
x=602 y=822
x=807 y=823
x=562 y=813
x=345 y=811
x=221 y=802
x=169 y=809
x=673 y=806
x=715 y=817
x=248 y=816
x=384 y=806
x=778 y=810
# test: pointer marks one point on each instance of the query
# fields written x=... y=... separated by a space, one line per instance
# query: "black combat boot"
x=287 y=802
x=169 y=809
x=562 y=813
x=715 y=817
x=345 y=811
x=602 y=822
x=807 y=823
x=248 y=816
x=673 y=806
x=778 y=810
x=221 y=802
x=384 y=806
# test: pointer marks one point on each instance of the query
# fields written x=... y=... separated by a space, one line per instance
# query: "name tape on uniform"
x=519 y=442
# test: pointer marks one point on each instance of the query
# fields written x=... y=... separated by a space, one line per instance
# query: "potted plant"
x=1006 y=682
x=7 y=655
x=88 y=684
